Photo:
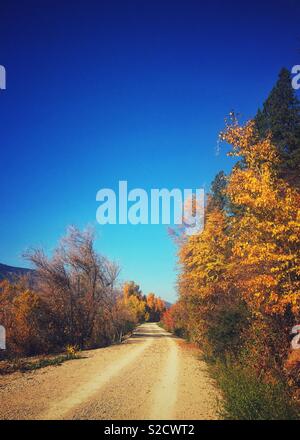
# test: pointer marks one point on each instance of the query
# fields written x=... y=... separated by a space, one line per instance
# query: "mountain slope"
x=11 y=272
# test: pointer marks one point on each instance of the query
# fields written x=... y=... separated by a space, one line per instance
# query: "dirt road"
x=152 y=375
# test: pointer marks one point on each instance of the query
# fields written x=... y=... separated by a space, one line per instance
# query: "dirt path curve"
x=152 y=375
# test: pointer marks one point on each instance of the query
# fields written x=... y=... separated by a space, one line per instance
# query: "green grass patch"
x=248 y=397
x=42 y=363
x=23 y=365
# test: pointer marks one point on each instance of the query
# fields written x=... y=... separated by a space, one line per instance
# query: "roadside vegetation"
x=73 y=302
x=239 y=281
x=35 y=363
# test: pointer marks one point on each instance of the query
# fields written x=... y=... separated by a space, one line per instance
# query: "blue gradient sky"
x=104 y=91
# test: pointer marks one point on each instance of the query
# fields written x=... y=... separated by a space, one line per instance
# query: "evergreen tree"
x=280 y=116
x=218 y=197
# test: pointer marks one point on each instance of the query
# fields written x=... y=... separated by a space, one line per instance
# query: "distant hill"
x=168 y=304
x=11 y=273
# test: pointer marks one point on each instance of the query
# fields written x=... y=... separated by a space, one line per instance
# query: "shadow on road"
x=151 y=330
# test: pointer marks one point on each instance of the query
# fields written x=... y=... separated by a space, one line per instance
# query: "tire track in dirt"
x=135 y=393
x=165 y=391
x=60 y=409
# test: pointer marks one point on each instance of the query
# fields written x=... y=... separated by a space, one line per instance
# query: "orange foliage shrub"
x=26 y=319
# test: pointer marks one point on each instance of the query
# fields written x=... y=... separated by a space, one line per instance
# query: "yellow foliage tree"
x=133 y=298
x=203 y=258
x=266 y=229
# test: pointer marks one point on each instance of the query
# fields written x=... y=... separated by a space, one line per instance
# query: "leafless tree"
x=79 y=285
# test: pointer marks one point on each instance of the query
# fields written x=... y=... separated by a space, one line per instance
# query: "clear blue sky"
x=101 y=91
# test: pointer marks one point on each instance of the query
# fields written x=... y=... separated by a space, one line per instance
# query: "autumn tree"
x=265 y=259
x=175 y=318
x=134 y=299
x=26 y=318
x=246 y=261
x=123 y=318
x=130 y=288
x=155 y=307
x=203 y=279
